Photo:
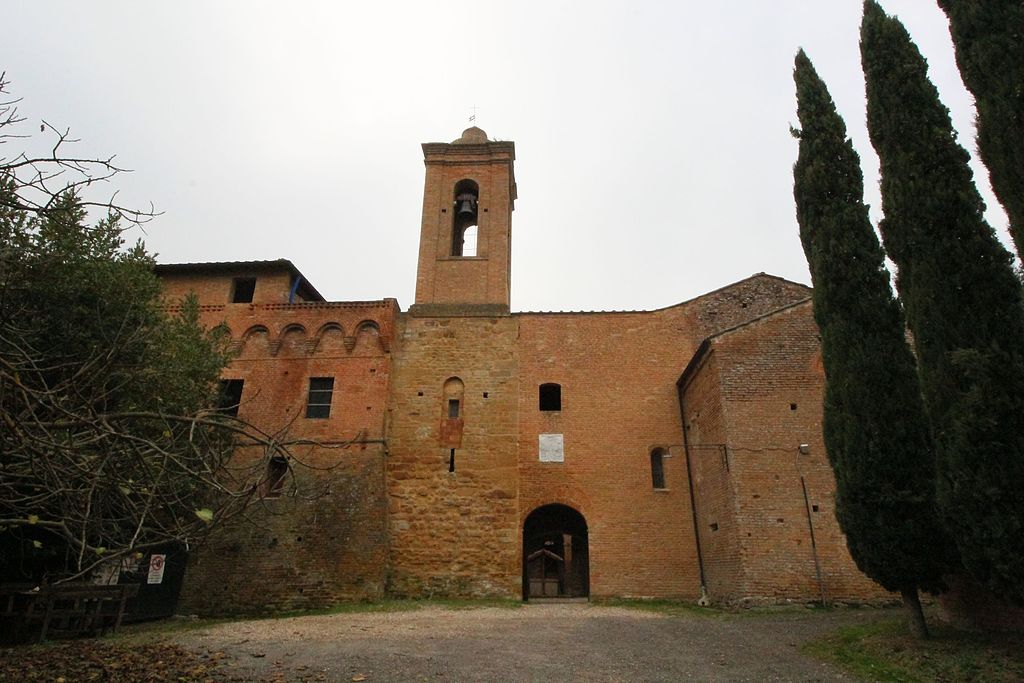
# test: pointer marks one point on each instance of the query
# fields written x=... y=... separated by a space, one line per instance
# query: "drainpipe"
x=294 y=289
x=703 y=600
x=814 y=545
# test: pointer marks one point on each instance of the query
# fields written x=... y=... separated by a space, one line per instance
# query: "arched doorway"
x=556 y=558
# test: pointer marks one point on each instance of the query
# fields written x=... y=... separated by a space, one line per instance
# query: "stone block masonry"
x=454 y=509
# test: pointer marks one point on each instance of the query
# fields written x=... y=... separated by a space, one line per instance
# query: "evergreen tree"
x=875 y=429
x=963 y=306
x=108 y=443
x=989 y=41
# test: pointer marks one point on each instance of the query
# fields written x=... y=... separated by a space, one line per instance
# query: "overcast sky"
x=654 y=156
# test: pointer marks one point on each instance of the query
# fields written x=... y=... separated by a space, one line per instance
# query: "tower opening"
x=464 y=218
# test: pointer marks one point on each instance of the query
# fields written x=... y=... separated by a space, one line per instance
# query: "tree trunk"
x=913 y=606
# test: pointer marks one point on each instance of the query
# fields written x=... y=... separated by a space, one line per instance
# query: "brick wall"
x=483 y=279
x=617 y=374
x=394 y=519
x=325 y=538
x=770 y=377
x=712 y=482
x=271 y=288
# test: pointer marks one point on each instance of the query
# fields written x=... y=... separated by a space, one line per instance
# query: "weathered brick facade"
x=449 y=474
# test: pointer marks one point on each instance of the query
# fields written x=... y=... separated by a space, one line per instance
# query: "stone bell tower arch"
x=465 y=257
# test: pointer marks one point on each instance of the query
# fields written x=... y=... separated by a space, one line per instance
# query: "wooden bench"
x=68 y=608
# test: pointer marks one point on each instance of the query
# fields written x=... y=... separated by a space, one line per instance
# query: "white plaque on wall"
x=551 y=448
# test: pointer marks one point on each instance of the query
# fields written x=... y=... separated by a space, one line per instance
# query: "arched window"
x=658 y=468
x=464 y=218
x=550 y=397
x=453 y=391
x=469 y=241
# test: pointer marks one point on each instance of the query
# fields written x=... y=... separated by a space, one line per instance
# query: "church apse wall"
x=764 y=488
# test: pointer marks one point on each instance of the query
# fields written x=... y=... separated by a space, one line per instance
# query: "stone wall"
x=454 y=532
x=323 y=541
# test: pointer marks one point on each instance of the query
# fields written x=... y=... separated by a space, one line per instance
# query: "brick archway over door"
x=556 y=555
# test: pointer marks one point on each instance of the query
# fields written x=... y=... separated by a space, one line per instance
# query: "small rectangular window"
x=453 y=408
x=242 y=290
x=277 y=469
x=658 y=468
x=321 y=389
x=230 y=396
x=550 y=396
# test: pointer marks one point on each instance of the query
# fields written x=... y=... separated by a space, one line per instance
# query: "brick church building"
x=462 y=449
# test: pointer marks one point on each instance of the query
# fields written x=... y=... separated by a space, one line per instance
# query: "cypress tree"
x=962 y=302
x=875 y=428
x=989 y=41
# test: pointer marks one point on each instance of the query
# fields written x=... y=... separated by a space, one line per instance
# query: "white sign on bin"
x=156 y=569
x=551 y=448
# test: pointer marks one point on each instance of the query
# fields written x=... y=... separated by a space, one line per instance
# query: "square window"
x=321 y=390
x=242 y=290
x=230 y=396
x=550 y=397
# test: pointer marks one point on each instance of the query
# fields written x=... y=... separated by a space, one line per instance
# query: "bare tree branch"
x=40 y=180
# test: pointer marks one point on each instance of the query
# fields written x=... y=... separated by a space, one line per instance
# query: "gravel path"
x=559 y=642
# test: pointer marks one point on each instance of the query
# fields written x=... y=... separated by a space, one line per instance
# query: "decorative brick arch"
x=371 y=328
x=325 y=329
x=575 y=502
x=255 y=329
x=290 y=329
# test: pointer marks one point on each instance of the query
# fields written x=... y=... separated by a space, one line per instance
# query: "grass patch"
x=679 y=608
x=469 y=603
x=672 y=608
x=885 y=651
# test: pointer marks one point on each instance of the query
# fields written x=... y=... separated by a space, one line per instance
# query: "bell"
x=466 y=207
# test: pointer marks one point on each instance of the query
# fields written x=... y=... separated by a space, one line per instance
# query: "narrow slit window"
x=242 y=290
x=453 y=408
x=550 y=397
x=451 y=460
x=321 y=391
x=277 y=470
x=230 y=396
x=658 y=468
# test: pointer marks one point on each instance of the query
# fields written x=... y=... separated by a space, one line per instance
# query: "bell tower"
x=465 y=255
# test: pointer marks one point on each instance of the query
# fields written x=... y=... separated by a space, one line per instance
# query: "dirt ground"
x=555 y=642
